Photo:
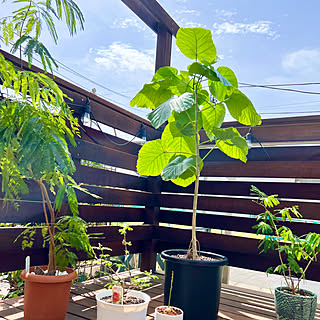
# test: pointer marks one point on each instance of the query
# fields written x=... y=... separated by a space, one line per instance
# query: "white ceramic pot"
x=161 y=316
x=108 y=311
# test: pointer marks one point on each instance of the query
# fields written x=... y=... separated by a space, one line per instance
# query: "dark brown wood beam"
x=152 y=14
x=164 y=45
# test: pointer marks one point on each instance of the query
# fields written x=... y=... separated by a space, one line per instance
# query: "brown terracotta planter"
x=46 y=297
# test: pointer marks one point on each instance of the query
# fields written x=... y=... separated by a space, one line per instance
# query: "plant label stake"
x=117 y=295
x=28 y=264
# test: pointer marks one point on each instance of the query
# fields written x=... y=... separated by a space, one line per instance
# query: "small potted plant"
x=168 y=312
x=295 y=256
x=185 y=103
x=123 y=301
x=36 y=125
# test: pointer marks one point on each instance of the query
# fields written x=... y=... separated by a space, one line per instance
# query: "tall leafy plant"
x=182 y=103
x=36 y=125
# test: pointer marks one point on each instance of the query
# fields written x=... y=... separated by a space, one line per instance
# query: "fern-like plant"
x=35 y=127
x=295 y=253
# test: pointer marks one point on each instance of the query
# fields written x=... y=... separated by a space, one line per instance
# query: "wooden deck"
x=235 y=303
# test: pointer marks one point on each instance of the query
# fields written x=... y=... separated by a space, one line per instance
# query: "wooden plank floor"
x=235 y=303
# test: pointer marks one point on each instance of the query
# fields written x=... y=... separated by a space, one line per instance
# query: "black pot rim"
x=313 y=295
x=169 y=255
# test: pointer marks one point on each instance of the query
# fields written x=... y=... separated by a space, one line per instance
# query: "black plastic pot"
x=196 y=284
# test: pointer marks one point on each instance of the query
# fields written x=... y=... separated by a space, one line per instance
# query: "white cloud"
x=260 y=27
x=225 y=13
x=128 y=23
x=186 y=23
x=125 y=58
x=303 y=61
x=185 y=11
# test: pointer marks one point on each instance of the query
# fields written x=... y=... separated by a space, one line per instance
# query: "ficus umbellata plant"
x=185 y=103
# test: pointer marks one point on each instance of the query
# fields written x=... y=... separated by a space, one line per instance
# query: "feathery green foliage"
x=295 y=253
x=23 y=27
x=35 y=127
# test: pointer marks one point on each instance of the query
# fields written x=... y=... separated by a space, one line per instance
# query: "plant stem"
x=279 y=253
x=171 y=284
x=51 y=225
x=196 y=185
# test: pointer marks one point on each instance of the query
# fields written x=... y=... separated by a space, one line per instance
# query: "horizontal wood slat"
x=93 y=152
x=284 y=190
x=266 y=169
x=33 y=212
x=309 y=210
x=283 y=129
x=230 y=223
x=95 y=136
x=116 y=196
x=279 y=153
x=13 y=258
x=89 y=175
x=28 y=212
x=241 y=252
x=111 y=214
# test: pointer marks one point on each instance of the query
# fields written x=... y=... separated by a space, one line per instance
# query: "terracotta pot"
x=46 y=297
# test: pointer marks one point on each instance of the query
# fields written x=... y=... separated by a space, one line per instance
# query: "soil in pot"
x=170 y=311
x=126 y=300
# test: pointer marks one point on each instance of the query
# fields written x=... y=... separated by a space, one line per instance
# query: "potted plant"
x=122 y=301
x=35 y=127
x=168 y=312
x=295 y=256
x=183 y=104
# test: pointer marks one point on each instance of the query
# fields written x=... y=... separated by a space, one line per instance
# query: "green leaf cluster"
x=22 y=28
x=180 y=102
x=295 y=253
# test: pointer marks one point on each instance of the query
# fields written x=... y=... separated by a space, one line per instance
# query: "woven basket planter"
x=290 y=307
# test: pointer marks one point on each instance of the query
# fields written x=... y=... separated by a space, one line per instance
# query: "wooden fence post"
x=149 y=254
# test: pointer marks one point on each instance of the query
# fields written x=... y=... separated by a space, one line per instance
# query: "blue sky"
x=264 y=42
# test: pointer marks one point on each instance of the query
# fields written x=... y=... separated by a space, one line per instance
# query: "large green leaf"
x=176 y=167
x=175 y=142
x=152 y=95
x=196 y=43
x=228 y=74
x=185 y=121
x=165 y=73
x=241 y=108
x=162 y=113
x=230 y=142
x=152 y=158
x=212 y=117
x=167 y=84
x=189 y=176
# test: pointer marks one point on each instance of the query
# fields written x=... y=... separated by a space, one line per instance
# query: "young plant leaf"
x=178 y=104
x=230 y=142
x=152 y=158
x=176 y=167
x=196 y=43
x=241 y=108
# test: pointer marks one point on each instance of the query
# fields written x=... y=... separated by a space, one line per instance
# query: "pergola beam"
x=154 y=16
